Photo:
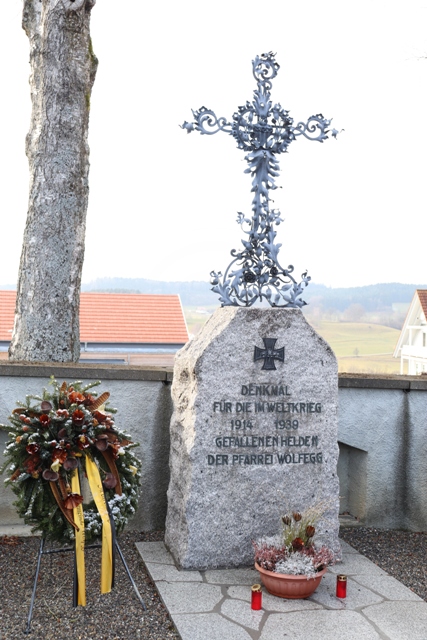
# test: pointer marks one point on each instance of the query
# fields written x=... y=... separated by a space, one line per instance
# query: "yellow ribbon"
x=80 y=542
x=97 y=490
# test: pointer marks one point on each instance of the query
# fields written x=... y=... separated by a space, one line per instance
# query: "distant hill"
x=192 y=293
x=376 y=297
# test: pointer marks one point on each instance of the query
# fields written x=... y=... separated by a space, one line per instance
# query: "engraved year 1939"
x=286 y=424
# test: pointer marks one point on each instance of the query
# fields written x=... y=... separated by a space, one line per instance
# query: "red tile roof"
x=117 y=318
x=7 y=313
x=422 y=294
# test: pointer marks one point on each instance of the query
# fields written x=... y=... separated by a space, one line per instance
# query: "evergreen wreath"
x=50 y=437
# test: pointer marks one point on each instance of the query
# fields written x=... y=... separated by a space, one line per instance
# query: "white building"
x=412 y=344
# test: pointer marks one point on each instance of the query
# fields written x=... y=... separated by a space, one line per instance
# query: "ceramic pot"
x=284 y=585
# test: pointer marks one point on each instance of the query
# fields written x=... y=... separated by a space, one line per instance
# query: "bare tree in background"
x=63 y=69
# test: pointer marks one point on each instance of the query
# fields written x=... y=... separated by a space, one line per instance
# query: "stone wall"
x=382 y=436
x=382 y=429
x=143 y=401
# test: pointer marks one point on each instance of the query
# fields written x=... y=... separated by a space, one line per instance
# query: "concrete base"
x=21 y=530
x=350 y=521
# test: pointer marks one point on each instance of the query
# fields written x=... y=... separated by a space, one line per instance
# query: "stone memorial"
x=254 y=426
x=253 y=434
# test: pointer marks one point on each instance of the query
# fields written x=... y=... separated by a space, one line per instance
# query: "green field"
x=197 y=316
x=360 y=347
x=369 y=364
x=368 y=339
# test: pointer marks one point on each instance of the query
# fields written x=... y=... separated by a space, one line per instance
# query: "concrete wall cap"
x=384 y=381
x=85 y=371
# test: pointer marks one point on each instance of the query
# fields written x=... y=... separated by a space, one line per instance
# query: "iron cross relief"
x=263 y=130
x=269 y=354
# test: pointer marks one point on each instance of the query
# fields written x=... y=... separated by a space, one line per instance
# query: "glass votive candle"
x=341 y=586
x=256 y=597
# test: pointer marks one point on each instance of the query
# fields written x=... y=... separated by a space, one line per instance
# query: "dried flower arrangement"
x=53 y=438
x=295 y=552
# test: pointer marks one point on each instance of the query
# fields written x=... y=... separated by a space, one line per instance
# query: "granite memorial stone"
x=253 y=435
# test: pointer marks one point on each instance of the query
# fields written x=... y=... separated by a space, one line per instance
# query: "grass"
x=361 y=347
x=197 y=316
x=358 y=338
x=369 y=364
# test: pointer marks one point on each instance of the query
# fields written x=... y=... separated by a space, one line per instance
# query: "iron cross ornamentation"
x=263 y=131
x=269 y=354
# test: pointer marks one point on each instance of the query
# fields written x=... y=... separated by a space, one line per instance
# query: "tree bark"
x=63 y=69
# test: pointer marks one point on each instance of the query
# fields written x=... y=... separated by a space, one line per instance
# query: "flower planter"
x=284 y=585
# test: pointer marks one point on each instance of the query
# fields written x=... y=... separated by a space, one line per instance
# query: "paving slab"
x=330 y=625
x=210 y=626
x=188 y=597
x=357 y=595
x=215 y=604
x=345 y=547
x=169 y=573
x=400 y=620
x=248 y=576
x=388 y=587
x=355 y=564
x=271 y=603
x=241 y=612
x=154 y=552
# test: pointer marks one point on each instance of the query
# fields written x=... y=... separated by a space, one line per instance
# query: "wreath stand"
x=115 y=545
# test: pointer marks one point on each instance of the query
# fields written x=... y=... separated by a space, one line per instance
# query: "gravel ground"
x=401 y=553
x=116 y=615
x=119 y=615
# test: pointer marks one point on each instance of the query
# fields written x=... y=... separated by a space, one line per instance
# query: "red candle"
x=256 y=600
x=341 y=586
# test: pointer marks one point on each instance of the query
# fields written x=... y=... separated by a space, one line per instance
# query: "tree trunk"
x=63 y=69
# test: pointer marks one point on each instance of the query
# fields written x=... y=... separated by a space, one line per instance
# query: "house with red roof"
x=118 y=327
x=411 y=347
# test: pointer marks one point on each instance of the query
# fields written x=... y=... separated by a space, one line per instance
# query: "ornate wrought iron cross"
x=263 y=130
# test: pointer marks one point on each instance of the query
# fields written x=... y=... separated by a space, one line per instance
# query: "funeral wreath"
x=55 y=440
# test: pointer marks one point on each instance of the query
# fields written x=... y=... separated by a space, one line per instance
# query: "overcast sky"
x=163 y=203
